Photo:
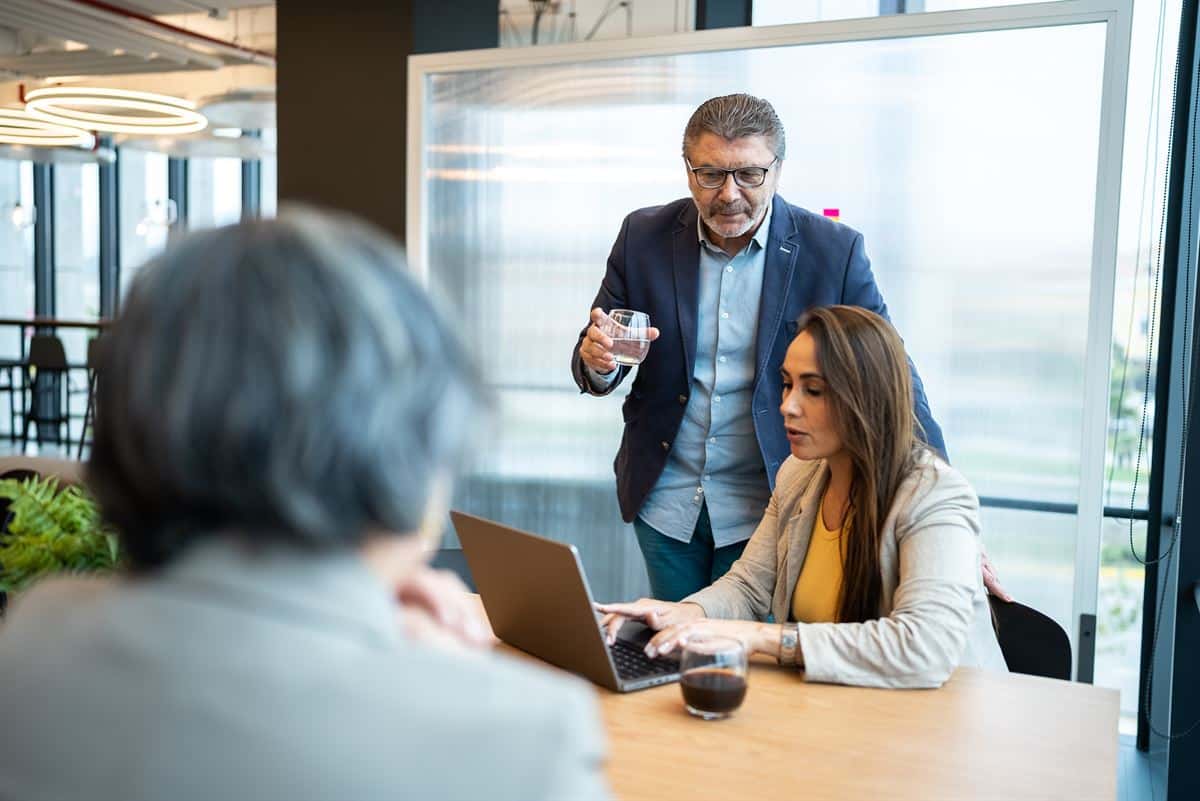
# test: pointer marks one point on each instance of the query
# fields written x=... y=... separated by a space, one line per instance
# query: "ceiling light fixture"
x=135 y=112
x=18 y=127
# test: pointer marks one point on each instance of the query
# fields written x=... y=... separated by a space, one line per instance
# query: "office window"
x=786 y=12
x=76 y=266
x=146 y=213
x=214 y=192
x=1144 y=173
x=16 y=252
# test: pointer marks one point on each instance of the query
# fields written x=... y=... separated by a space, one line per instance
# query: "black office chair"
x=454 y=560
x=11 y=385
x=1031 y=642
x=89 y=412
x=46 y=377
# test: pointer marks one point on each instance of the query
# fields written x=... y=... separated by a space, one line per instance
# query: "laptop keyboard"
x=632 y=662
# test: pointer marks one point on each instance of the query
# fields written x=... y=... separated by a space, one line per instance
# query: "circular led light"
x=20 y=128
x=87 y=107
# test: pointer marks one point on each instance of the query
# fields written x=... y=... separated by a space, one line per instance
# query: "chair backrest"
x=1031 y=642
x=47 y=353
x=93 y=350
x=452 y=559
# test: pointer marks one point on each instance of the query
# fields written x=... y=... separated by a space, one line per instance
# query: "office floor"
x=1133 y=773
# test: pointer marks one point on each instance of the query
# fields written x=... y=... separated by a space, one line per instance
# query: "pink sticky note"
x=832 y=212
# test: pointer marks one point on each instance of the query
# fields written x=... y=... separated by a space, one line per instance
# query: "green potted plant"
x=49 y=528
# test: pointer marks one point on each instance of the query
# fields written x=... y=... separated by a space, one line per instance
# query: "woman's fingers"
x=668 y=640
x=639 y=610
x=991 y=581
x=610 y=624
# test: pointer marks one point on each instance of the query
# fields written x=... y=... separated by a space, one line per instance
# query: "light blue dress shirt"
x=715 y=455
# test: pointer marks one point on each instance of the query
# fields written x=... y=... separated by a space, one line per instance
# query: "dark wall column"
x=723 y=14
x=177 y=192
x=110 y=240
x=342 y=94
x=1160 y=526
x=1183 y=773
x=43 y=240
x=251 y=184
x=900 y=7
x=46 y=399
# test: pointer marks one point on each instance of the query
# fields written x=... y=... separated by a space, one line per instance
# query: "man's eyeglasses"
x=714 y=178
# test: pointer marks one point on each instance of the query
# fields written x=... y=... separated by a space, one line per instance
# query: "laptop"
x=537 y=599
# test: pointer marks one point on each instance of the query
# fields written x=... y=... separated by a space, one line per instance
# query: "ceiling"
x=41 y=39
x=157 y=7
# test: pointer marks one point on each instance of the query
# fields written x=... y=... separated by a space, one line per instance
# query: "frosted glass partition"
x=968 y=160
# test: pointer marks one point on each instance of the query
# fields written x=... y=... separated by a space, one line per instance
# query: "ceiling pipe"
x=158 y=28
x=37 y=15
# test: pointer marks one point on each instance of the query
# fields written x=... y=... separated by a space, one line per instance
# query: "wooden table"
x=981 y=736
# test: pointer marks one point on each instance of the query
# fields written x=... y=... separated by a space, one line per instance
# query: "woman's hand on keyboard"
x=755 y=636
x=655 y=614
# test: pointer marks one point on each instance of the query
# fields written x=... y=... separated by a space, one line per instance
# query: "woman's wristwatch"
x=789 y=639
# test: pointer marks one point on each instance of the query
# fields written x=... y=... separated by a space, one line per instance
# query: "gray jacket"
x=278 y=677
x=933 y=613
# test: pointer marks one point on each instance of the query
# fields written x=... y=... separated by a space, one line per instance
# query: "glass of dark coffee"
x=713 y=676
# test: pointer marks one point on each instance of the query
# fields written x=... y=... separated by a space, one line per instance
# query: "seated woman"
x=868 y=554
x=280 y=411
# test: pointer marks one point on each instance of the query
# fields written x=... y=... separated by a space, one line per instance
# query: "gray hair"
x=280 y=380
x=734 y=117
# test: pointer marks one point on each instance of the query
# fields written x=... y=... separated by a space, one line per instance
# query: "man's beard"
x=737 y=207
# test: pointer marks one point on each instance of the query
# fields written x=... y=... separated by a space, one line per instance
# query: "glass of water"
x=630 y=333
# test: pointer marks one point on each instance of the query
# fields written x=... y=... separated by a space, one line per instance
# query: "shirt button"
x=724 y=315
x=722 y=359
x=729 y=269
x=682 y=399
x=712 y=440
x=716 y=398
x=666 y=446
x=699 y=490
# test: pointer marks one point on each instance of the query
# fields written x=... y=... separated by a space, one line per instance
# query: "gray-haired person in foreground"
x=280 y=412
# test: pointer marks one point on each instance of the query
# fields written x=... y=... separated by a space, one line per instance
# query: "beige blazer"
x=933 y=613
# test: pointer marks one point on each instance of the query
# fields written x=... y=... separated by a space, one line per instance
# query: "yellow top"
x=815 y=599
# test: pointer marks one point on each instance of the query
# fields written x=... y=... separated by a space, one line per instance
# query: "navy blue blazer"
x=655 y=267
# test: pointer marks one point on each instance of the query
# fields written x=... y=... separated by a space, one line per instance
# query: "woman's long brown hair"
x=870 y=396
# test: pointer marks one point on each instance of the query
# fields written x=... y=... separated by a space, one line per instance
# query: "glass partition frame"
x=1116 y=15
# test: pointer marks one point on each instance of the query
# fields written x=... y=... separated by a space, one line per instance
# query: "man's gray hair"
x=277 y=381
x=734 y=117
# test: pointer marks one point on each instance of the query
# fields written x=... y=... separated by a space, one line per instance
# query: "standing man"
x=724 y=276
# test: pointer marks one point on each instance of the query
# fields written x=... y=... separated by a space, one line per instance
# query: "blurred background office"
x=1022 y=178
